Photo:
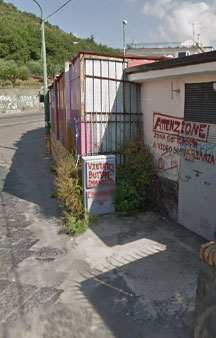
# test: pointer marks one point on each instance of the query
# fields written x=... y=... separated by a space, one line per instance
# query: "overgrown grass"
x=69 y=190
x=138 y=186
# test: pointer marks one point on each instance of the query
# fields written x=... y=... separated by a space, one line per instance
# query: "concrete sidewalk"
x=125 y=277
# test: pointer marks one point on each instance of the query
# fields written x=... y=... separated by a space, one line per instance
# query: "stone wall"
x=205 y=309
x=19 y=100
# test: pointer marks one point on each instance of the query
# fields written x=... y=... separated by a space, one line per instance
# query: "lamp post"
x=124 y=24
x=77 y=42
x=46 y=98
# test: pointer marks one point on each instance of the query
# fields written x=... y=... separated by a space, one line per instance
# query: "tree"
x=23 y=73
x=10 y=71
x=54 y=69
x=35 y=68
x=20 y=40
x=91 y=38
x=2 y=64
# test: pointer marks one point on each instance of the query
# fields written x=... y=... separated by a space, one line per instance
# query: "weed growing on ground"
x=74 y=226
x=69 y=190
x=137 y=181
x=53 y=169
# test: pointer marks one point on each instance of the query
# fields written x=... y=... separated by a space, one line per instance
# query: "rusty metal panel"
x=62 y=111
x=74 y=125
x=75 y=69
x=52 y=109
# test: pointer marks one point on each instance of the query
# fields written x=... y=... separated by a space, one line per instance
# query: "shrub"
x=69 y=193
x=9 y=70
x=137 y=181
x=36 y=68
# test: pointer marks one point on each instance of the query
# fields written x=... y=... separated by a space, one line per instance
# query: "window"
x=200 y=102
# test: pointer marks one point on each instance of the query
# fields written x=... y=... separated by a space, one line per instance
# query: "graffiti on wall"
x=170 y=125
x=174 y=137
x=101 y=173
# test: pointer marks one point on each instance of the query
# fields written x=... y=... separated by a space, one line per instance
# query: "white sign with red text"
x=99 y=180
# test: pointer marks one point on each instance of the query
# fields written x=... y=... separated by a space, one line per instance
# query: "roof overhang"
x=195 y=69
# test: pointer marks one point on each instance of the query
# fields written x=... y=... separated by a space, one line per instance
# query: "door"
x=197 y=196
x=197 y=176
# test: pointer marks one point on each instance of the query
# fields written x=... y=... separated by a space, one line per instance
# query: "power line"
x=57 y=10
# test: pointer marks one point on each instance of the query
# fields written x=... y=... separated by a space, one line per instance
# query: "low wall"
x=19 y=100
x=58 y=151
x=205 y=308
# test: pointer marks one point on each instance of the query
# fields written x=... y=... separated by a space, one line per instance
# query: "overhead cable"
x=57 y=10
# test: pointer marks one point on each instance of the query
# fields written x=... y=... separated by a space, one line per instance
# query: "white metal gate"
x=197 y=187
x=112 y=107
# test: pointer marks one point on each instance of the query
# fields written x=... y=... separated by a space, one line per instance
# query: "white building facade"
x=178 y=103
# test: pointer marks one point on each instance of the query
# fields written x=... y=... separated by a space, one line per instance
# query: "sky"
x=148 y=20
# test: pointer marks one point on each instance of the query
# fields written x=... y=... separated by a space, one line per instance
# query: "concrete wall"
x=19 y=100
x=159 y=101
x=205 y=308
x=156 y=99
x=179 y=151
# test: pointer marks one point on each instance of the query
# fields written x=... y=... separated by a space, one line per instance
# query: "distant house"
x=171 y=49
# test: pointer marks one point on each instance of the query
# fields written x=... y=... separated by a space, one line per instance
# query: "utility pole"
x=124 y=24
x=46 y=95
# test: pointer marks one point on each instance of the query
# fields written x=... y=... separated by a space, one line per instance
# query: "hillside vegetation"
x=20 y=41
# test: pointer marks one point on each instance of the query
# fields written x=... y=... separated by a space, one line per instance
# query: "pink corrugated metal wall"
x=74 y=125
x=62 y=110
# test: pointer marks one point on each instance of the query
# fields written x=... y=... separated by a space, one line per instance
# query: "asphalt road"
x=125 y=277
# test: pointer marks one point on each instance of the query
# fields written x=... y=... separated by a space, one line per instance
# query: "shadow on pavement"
x=113 y=230
x=30 y=177
x=148 y=289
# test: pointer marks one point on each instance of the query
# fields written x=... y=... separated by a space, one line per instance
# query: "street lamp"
x=124 y=24
x=77 y=42
x=46 y=98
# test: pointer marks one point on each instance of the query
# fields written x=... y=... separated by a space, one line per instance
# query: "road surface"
x=125 y=277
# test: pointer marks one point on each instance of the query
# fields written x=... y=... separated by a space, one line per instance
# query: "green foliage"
x=53 y=69
x=23 y=73
x=69 y=193
x=20 y=39
x=9 y=70
x=69 y=187
x=35 y=68
x=76 y=226
x=137 y=180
